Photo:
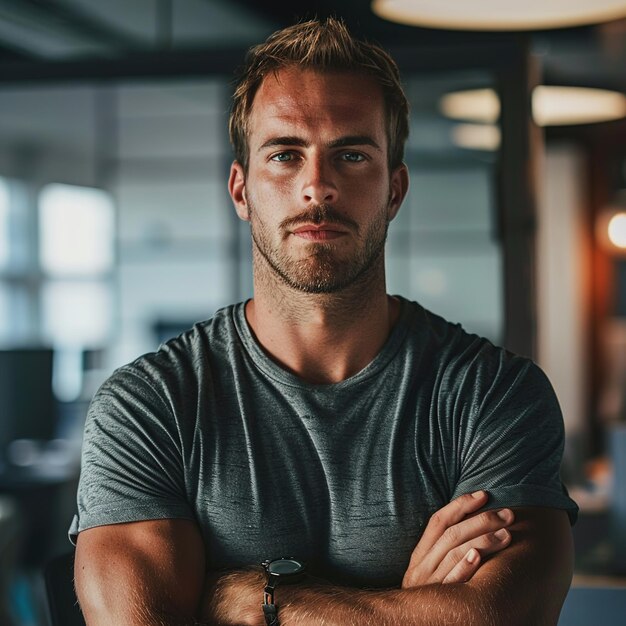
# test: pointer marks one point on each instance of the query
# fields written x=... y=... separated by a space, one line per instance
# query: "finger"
x=472 y=528
x=486 y=545
x=449 y=515
x=465 y=568
x=449 y=544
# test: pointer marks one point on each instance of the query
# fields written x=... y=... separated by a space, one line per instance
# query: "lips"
x=319 y=232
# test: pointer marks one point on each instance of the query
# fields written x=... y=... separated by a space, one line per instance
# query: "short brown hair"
x=320 y=46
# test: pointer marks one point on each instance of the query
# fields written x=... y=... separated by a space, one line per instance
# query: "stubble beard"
x=322 y=270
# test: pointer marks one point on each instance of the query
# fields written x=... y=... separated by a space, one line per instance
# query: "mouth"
x=319 y=232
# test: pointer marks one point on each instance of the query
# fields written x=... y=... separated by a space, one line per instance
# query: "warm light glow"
x=559 y=106
x=499 y=14
x=617 y=230
x=551 y=105
x=476 y=105
x=476 y=136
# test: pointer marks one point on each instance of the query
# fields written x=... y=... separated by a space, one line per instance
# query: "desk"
x=595 y=553
x=592 y=604
x=44 y=494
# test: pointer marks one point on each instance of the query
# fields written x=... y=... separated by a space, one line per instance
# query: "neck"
x=322 y=338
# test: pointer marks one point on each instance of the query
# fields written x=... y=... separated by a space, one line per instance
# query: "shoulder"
x=175 y=373
x=182 y=355
x=445 y=340
x=468 y=365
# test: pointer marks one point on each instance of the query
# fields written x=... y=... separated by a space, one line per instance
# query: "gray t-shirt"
x=345 y=475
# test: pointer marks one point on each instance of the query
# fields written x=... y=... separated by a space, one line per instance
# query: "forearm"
x=236 y=599
x=524 y=584
x=423 y=606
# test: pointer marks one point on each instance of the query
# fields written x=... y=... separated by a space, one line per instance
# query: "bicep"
x=528 y=581
x=140 y=572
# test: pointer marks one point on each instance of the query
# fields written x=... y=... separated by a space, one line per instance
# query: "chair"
x=585 y=606
x=62 y=603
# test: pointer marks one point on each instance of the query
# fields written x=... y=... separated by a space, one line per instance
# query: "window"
x=55 y=270
x=76 y=256
x=76 y=229
x=76 y=313
x=4 y=223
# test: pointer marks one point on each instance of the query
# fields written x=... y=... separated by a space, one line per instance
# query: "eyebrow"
x=342 y=142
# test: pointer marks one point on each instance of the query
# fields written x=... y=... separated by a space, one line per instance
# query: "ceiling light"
x=499 y=14
x=476 y=136
x=610 y=229
x=552 y=106
x=476 y=105
x=617 y=230
x=560 y=106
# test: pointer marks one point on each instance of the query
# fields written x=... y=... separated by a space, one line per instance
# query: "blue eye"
x=282 y=157
x=353 y=157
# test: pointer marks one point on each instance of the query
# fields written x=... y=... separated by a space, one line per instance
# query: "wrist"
x=233 y=598
x=278 y=573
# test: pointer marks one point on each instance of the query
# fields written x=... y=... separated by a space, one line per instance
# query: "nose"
x=318 y=185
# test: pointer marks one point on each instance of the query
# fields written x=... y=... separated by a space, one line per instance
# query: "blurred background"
x=116 y=230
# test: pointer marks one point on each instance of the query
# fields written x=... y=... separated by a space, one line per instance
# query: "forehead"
x=315 y=102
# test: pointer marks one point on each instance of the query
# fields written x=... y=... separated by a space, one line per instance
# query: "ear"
x=399 y=185
x=237 y=190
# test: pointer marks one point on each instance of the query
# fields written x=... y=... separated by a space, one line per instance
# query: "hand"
x=455 y=542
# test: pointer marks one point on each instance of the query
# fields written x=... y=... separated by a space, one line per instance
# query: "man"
x=413 y=467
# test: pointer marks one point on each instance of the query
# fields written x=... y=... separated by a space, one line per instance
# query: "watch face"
x=285 y=567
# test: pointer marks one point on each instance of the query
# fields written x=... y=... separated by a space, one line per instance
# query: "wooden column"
x=517 y=198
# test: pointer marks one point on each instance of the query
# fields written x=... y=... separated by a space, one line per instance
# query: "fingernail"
x=501 y=534
x=504 y=515
x=472 y=555
x=478 y=494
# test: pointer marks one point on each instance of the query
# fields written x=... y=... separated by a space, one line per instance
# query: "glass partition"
x=443 y=250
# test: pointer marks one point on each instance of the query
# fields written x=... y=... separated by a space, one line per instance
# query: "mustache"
x=320 y=213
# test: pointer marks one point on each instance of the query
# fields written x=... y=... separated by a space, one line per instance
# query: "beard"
x=323 y=270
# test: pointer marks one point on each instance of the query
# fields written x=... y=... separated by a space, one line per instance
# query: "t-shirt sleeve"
x=511 y=438
x=131 y=468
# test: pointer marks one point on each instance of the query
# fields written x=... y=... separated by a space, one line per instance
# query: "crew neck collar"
x=276 y=372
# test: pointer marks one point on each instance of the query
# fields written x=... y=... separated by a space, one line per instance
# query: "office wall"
x=177 y=231
x=562 y=282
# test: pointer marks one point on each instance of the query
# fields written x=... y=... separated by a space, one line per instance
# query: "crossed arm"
x=153 y=574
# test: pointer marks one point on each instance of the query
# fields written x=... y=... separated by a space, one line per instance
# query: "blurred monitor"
x=164 y=330
x=27 y=404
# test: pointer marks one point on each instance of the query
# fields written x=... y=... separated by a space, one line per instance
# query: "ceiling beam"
x=141 y=64
x=65 y=17
x=223 y=61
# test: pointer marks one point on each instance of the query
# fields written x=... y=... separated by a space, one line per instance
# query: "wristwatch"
x=283 y=570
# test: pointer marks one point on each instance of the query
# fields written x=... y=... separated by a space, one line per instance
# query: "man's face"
x=318 y=192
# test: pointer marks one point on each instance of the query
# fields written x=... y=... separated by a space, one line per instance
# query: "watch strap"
x=271 y=614
x=270 y=610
